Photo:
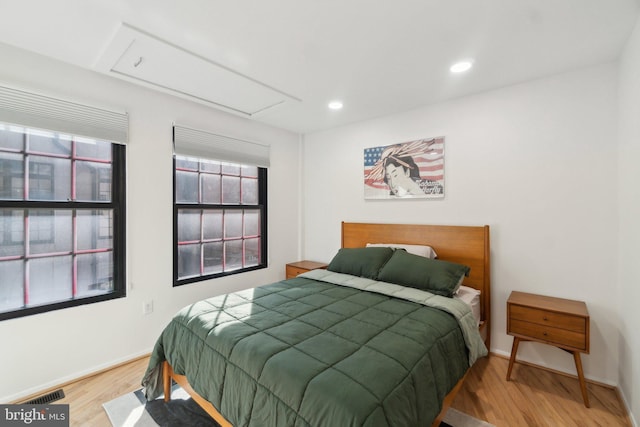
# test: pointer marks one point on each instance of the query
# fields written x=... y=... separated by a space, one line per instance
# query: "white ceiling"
x=378 y=56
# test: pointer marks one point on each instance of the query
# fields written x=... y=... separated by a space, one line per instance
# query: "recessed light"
x=335 y=105
x=461 y=67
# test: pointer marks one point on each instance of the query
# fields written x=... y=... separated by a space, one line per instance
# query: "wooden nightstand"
x=559 y=322
x=295 y=268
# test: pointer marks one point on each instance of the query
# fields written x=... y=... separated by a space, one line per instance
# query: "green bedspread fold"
x=308 y=352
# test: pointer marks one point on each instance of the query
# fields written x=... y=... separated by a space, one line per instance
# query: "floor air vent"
x=47 y=398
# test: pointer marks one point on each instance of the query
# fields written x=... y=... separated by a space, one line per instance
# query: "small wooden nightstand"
x=559 y=322
x=295 y=268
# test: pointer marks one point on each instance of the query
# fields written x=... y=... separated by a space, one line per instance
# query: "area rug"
x=132 y=410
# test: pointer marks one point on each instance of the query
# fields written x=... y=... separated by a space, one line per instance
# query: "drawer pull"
x=544 y=333
x=545 y=318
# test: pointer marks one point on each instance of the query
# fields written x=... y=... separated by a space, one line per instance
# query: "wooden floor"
x=533 y=397
x=85 y=397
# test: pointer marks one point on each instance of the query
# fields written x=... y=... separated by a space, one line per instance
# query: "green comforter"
x=307 y=352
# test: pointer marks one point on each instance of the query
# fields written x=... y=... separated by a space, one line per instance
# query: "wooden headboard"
x=461 y=244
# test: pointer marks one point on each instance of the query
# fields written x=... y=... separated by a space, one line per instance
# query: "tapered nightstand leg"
x=514 y=350
x=583 y=385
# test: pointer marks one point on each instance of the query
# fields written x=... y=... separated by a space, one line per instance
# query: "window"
x=219 y=218
x=62 y=206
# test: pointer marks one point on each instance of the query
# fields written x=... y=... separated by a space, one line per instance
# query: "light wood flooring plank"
x=85 y=397
x=535 y=397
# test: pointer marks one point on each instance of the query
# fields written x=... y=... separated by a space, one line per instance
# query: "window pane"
x=188 y=261
x=210 y=188
x=11 y=232
x=91 y=149
x=230 y=169
x=212 y=257
x=251 y=252
x=250 y=171
x=212 y=225
x=188 y=225
x=10 y=139
x=230 y=190
x=233 y=255
x=48 y=142
x=93 y=181
x=50 y=231
x=95 y=274
x=11 y=176
x=94 y=229
x=249 y=191
x=50 y=280
x=11 y=291
x=251 y=223
x=185 y=163
x=49 y=178
x=210 y=166
x=186 y=187
x=232 y=224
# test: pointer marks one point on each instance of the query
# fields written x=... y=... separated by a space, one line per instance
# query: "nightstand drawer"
x=561 y=337
x=548 y=318
x=294 y=271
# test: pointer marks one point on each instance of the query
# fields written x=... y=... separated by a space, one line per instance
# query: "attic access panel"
x=145 y=59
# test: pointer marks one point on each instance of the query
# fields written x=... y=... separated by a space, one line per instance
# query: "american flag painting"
x=412 y=169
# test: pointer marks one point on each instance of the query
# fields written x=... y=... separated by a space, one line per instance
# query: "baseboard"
x=507 y=356
x=26 y=395
x=623 y=399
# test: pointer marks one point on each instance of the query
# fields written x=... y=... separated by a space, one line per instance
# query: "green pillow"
x=362 y=262
x=432 y=275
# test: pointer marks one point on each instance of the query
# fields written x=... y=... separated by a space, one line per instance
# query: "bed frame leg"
x=166 y=380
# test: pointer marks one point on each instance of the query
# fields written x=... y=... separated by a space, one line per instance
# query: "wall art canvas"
x=408 y=170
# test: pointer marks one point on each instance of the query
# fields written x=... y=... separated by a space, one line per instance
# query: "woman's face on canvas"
x=396 y=175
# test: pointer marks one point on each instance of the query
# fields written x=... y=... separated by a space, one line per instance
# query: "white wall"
x=536 y=161
x=629 y=214
x=47 y=349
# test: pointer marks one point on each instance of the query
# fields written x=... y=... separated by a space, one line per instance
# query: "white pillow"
x=471 y=297
x=420 y=250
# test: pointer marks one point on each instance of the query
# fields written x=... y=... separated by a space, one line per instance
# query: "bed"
x=339 y=346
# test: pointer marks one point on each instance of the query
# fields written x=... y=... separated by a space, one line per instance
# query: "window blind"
x=33 y=110
x=202 y=144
